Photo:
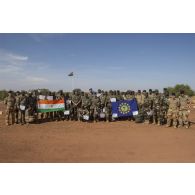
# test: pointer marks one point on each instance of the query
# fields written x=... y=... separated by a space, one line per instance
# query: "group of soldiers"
x=154 y=107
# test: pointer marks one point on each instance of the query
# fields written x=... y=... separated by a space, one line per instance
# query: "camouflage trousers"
x=30 y=115
x=108 y=112
x=172 y=117
x=94 y=113
x=156 y=115
x=9 y=114
x=146 y=112
x=183 y=117
x=22 y=116
x=17 y=115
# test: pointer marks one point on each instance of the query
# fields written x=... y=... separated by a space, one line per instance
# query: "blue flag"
x=124 y=108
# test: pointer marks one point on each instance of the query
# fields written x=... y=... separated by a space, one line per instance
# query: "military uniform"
x=147 y=109
x=31 y=104
x=68 y=106
x=163 y=109
x=85 y=108
x=172 y=114
x=140 y=99
x=10 y=103
x=156 y=109
x=95 y=108
x=184 y=103
x=23 y=107
x=76 y=105
x=17 y=107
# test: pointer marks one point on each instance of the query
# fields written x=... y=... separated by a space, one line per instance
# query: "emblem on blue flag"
x=124 y=108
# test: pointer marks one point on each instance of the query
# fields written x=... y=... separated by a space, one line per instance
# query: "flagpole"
x=72 y=83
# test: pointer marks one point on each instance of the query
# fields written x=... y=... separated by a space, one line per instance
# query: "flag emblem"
x=124 y=108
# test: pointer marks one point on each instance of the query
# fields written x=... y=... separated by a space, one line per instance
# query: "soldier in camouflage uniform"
x=17 y=107
x=119 y=97
x=10 y=103
x=85 y=108
x=184 y=109
x=151 y=95
x=109 y=106
x=23 y=107
x=164 y=107
x=139 y=97
x=173 y=111
x=76 y=104
x=60 y=114
x=31 y=105
x=156 y=108
x=147 y=109
x=95 y=108
x=68 y=106
x=103 y=100
x=128 y=95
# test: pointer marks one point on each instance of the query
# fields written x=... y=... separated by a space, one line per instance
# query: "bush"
x=187 y=89
x=3 y=95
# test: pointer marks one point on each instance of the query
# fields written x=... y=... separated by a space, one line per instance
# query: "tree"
x=187 y=89
x=3 y=94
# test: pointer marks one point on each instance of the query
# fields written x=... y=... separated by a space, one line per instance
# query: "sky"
x=99 y=61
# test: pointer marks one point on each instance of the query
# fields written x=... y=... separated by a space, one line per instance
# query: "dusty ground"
x=102 y=142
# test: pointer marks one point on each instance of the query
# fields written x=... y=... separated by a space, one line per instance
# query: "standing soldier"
x=17 y=107
x=151 y=98
x=103 y=100
x=68 y=106
x=164 y=106
x=156 y=108
x=139 y=99
x=108 y=106
x=128 y=95
x=147 y=108
x=60 y=114
x=30 y=108
x=23 y=107
x=95 y=108
x=76 y=104
x=118 y=95
x=85 y=108
x=10 y=103
x=172 y=115
x=184 y=102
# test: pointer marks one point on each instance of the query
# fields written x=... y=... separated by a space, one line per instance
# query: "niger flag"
x=51 y=105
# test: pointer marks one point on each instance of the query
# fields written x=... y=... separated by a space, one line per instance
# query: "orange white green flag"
x=50 y=105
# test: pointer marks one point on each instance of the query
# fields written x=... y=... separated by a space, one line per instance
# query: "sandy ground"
x=121 y=141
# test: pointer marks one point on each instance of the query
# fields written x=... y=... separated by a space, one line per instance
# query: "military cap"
x=182 y=91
